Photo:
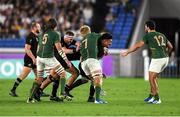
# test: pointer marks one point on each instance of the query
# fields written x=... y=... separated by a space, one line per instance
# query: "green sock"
x=98 y=90
x=35 y=87
x=150 y=95
x=63 y=83
x=156 y=96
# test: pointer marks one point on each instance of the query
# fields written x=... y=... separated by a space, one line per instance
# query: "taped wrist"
x=62 y=54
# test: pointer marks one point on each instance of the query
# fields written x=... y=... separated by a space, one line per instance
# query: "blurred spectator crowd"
x=17 y=15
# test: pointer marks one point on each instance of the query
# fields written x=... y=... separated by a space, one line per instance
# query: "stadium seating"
x=122 y=26
x=121 y=29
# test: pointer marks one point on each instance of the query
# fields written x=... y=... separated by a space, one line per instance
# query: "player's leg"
x=95 y=70
x=55 y=87
x=38 y=80
x=74 y=74
x=91 y=93
x=24 y=74
x=59 y=70
x=154 y=87
x=156 y=66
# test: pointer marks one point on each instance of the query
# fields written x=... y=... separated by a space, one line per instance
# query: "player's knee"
x=39 y=80
x=23 y=75
x=97 y=80
x=153 y=75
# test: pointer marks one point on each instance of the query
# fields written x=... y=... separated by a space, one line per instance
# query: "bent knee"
x=98 y=80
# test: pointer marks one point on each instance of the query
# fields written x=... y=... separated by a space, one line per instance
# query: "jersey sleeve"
x=57 y=37
x=145 y=39
x=29 y=40
x=166 y=39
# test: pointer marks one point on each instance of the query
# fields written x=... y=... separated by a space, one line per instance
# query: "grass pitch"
x=125 y=97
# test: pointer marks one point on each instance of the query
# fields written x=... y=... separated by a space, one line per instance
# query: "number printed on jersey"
x=85 y=43
x=160 y=40
x=45 y=38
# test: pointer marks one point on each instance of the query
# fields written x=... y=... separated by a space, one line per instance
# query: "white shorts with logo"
x=158 y=65
x=46 y=63
x=91 y=67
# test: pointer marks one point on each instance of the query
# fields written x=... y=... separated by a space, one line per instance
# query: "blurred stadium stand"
x=120 y=21
x=14 y=28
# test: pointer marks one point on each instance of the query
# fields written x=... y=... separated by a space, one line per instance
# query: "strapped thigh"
x=59 y=70
x=40 y=74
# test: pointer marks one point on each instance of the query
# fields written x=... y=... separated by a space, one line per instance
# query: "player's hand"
x=123 y=54
x=105 y=51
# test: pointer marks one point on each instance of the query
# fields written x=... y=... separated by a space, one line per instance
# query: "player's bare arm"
x=67 y=51
x=29 y=53
x=132 y=49
x=77 y=46
x=169 y=47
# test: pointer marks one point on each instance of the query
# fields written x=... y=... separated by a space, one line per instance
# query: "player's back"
x=88 y=47
x=157 y=43
x=46 y=43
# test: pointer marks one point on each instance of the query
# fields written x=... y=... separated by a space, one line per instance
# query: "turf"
x=125 y=97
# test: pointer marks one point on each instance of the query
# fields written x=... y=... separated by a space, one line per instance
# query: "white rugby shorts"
x=158 y=65
x=91 y=67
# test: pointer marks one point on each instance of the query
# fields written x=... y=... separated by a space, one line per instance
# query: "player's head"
x=150 y=25
x=106 y=39
x=84 y=30
x=35 y=27
x=51 y=24
x=69 y=36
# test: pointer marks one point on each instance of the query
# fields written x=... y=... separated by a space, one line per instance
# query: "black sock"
x=92 y=91
x=77 y=83
x=55 y=88
x=16 y=84
x=67 y=88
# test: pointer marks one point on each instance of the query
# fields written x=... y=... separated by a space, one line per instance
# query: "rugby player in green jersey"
x=89 y=58
x=46 y=59
x=160 y=47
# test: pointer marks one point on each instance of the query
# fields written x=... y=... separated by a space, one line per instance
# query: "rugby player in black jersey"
x=30 y=56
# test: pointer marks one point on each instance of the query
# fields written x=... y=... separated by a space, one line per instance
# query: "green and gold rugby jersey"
x=88 y=48
x=46 y=43
x=157 y=43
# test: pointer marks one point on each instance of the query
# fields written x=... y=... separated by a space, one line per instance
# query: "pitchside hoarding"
x=11 y=66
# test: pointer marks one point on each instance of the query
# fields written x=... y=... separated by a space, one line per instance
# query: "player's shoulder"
x=159 y=33
x=93 y=35
x=56 y=32
x=30 y=35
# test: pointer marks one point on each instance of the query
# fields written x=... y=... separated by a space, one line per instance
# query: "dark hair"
x=70 y=33
x=50 y=24
x=151 y=24
x=106 y=35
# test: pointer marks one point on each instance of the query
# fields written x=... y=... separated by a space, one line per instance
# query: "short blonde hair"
x=84 y=30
